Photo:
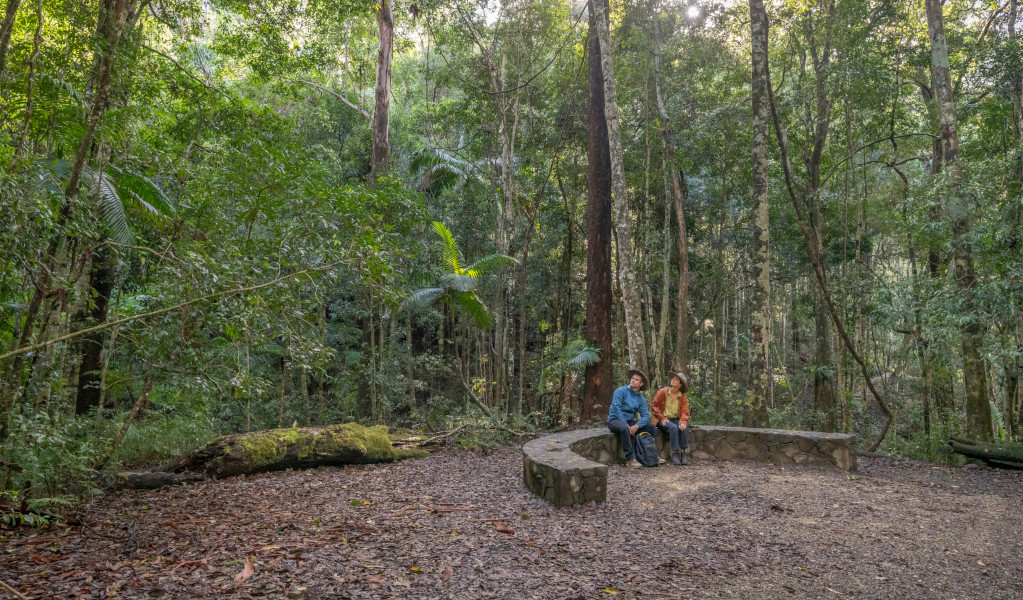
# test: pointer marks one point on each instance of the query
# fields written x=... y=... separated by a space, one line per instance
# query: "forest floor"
x=462 y=525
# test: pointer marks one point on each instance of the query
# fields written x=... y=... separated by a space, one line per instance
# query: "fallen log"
x=1005 y=456
x=294 y=448
x=143 y=480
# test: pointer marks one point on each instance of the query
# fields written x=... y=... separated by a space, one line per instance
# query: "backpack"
x=645 y=447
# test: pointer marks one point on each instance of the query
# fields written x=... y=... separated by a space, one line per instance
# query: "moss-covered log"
x=1008 y=456
x=295 y=448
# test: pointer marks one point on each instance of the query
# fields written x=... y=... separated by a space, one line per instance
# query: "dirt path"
x=431 y=528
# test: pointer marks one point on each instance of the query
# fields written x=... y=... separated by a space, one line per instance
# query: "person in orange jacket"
x=670 y=410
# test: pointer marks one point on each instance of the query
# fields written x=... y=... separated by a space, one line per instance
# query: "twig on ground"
x=12 y=590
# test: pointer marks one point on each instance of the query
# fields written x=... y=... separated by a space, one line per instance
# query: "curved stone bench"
x=570 y=467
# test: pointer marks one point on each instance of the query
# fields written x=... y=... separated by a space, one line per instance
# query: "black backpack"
x=646 y=449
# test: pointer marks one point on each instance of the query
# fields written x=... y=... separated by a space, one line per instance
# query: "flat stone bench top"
x=570 y=467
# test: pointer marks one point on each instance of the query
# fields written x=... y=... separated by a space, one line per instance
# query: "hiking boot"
x=633 y=463
x=685 y=459
x=675 y=459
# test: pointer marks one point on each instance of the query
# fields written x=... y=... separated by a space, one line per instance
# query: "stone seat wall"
x=570 y=467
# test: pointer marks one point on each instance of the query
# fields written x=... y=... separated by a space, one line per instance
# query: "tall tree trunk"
x=629 y=278
x=957 y=208
x=112 y=19
x=759 y=396
x=102 y=284
x=6 y=29
x=382 y=107
x=599 y=386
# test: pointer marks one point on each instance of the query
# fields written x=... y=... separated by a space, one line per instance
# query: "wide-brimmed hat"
x=642 y=376
x=685 y=381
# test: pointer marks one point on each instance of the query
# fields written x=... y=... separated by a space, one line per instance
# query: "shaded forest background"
x=200 y=234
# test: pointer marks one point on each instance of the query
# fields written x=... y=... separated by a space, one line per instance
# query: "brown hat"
x=685 y=381
x=641 y=376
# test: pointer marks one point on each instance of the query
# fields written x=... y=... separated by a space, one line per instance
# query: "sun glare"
x=693 y=12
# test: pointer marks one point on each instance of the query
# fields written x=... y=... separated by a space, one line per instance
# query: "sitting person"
x=629 y=414
x=671 y=413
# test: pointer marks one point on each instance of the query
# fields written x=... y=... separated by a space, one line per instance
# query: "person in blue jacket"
x=629 y=414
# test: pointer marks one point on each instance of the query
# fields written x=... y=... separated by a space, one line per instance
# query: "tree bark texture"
x=629 y=278
x=978 y=410
x=6 y=29
x=382 y=107
x=102 y=281
x=759 y=396
x=597 y=395
x=294 y=448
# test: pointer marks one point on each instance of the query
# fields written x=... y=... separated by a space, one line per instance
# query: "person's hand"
x=681 y=426
x=663 y=423
x=633 y=429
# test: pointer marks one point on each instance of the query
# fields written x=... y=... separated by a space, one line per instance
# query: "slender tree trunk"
x=142 y=400
x=958 y=210
x=599 y=386
x=759 y=396
x=630 y=282
x=382 y=107
x=522 y=324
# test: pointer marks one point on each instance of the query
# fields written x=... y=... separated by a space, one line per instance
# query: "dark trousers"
x=679 y=437
x=621 y=428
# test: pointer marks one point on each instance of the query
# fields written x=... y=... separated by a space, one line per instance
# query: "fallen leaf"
x=376 y=580
x=981 y=564
x=337 y=578
x=248 y=571
x=504 y=528
x=610 y=590
x=446 y=575
x=416 y=570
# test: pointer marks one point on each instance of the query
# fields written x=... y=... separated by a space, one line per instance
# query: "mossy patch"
x=294 y=447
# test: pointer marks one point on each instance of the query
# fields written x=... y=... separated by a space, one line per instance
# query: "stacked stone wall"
x=570 y=468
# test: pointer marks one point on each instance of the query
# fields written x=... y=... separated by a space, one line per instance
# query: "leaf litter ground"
x=461 y=525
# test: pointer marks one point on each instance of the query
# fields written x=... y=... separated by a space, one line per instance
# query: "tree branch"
x=368 y=116
x=164 y=310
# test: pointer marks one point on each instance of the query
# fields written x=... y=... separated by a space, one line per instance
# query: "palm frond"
x=579 y=353
x=458 y=282
x=437 y=170
x=111 y=209
x=452 y=256
x=50 y=84
x=488 y=263
x=472 y=306
x=426 y=295
x=144 y=192
x=46 y=176
x=575 y=356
